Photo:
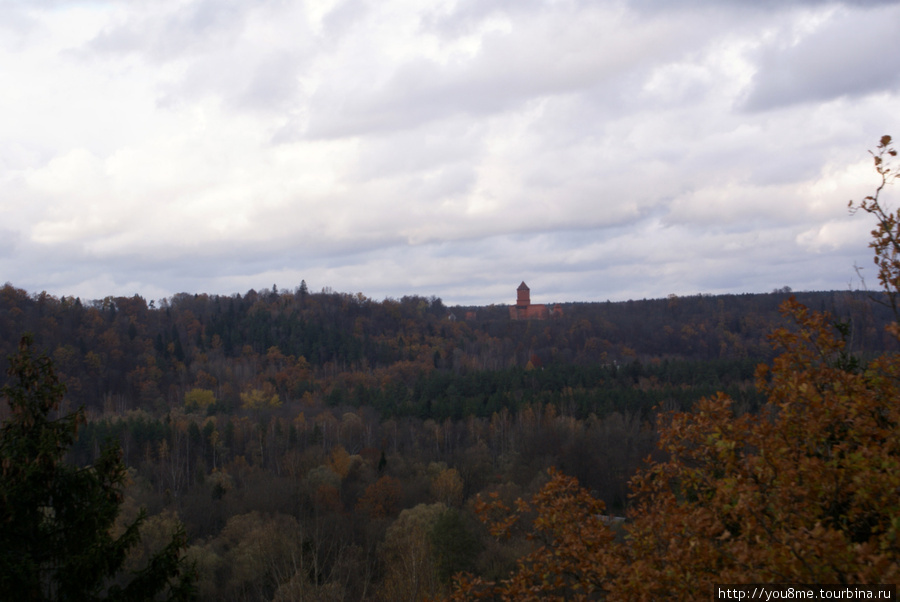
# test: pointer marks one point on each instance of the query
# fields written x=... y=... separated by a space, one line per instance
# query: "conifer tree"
x=56 y=519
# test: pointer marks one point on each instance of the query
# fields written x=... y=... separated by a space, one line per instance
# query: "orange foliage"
x=805 y=492
x=382 y=498
x=571 y=561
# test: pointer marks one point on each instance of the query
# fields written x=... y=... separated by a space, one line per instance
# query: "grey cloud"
x=16 y=24
x=465 y=16
x=449 y=181
x=9 y=241
x=198 y=26
x=849 y=56
x=255 y=80
x=689 y=261
x=608 y=263
x=273 y=82
x=341 y=19
x=418 y=92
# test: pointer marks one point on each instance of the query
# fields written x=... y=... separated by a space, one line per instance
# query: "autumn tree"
x=382 y=498
x=447 y=487
x=259 y=399
x=57 y=519
x=199 y=399
x=253 y=556
x=410 y=568
x=572 y=548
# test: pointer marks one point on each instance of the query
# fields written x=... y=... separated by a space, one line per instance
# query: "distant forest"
x=327 y=424
x=408 y=357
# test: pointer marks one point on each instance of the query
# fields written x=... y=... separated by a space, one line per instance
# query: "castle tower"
x=523 y=296
x=524 y=310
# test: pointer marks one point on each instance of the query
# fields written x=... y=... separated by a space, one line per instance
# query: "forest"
x=327 y=446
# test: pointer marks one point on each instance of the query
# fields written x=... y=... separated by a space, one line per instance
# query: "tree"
x=453 y=546
x=253 y=556
x=198 y=398
x=447 y=487
x=572 y=545
x=56 y=519
x=381 y=499
x=258 y=399
x=410 y=568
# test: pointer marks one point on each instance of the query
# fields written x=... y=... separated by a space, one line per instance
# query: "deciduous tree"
x=573 y=549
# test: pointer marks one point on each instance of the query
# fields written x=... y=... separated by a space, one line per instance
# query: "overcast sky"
x=594 y=149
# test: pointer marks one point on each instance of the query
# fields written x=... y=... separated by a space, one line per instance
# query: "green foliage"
x=56 y=518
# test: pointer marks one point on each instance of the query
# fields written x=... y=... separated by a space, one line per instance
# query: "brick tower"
x=523 y=296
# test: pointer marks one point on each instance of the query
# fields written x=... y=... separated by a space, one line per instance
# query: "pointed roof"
x=523 y=286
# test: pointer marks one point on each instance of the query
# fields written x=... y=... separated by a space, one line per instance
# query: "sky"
x=597 y=150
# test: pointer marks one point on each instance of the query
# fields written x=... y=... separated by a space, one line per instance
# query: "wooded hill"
x=412 y=356
x=326 y=429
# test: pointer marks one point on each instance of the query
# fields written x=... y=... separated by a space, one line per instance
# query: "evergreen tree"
x=56 y=519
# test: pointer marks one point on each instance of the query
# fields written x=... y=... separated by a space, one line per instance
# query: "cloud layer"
x=597 y=150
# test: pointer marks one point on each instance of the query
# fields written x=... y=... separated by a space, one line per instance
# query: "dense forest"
x=329 y=446
x=407 y=357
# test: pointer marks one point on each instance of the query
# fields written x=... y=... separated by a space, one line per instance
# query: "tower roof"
x=523 y=286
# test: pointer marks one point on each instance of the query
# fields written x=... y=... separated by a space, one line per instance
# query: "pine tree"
x=56 y=519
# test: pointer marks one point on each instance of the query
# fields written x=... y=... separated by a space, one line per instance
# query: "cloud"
x=9 y=240
x=169 y=31
x=841 y=55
